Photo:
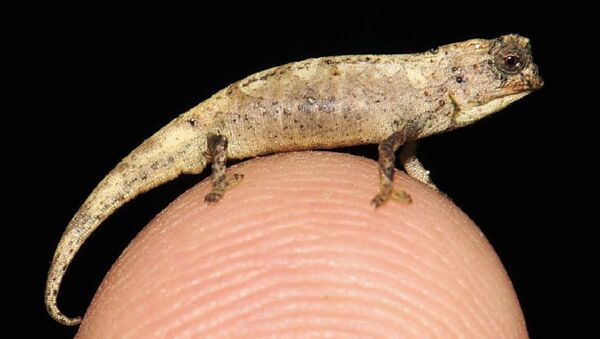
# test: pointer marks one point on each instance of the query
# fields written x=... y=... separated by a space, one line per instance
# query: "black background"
x=99 y=81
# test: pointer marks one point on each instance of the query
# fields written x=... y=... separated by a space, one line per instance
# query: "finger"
x=297 y=249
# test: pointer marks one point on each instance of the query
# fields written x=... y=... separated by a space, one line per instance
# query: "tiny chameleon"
x=320 y=103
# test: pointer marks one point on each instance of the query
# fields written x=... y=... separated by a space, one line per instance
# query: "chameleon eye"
x=512 y=61
x=510 y=55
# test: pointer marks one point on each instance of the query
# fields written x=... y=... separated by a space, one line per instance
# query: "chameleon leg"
x=217 y=150
x=387 y=148
x=412 y=165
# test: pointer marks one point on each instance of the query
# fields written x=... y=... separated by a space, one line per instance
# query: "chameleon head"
x=488 y=75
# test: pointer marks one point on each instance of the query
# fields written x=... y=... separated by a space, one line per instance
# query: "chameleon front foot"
x=387 y=148
x=213 y=197
x=396 y=195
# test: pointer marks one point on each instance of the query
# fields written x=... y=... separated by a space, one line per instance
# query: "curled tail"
x=177 y=148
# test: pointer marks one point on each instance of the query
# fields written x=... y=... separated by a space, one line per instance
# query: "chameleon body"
x=321 y=103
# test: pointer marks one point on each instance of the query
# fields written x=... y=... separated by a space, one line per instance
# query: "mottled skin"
x=322 y=103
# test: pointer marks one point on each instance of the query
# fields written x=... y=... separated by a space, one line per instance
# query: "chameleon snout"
x=533 y=78
x=535 y=82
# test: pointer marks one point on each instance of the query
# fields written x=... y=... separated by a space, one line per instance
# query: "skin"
x=318 y=103
x=320 y=261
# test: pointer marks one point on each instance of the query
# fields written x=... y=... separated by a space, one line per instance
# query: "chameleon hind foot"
x=217 y=192
x=217 y=151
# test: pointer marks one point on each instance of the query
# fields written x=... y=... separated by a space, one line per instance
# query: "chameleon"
x=318 y=103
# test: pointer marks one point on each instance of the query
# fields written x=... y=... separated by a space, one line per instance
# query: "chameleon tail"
x=177 y=148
